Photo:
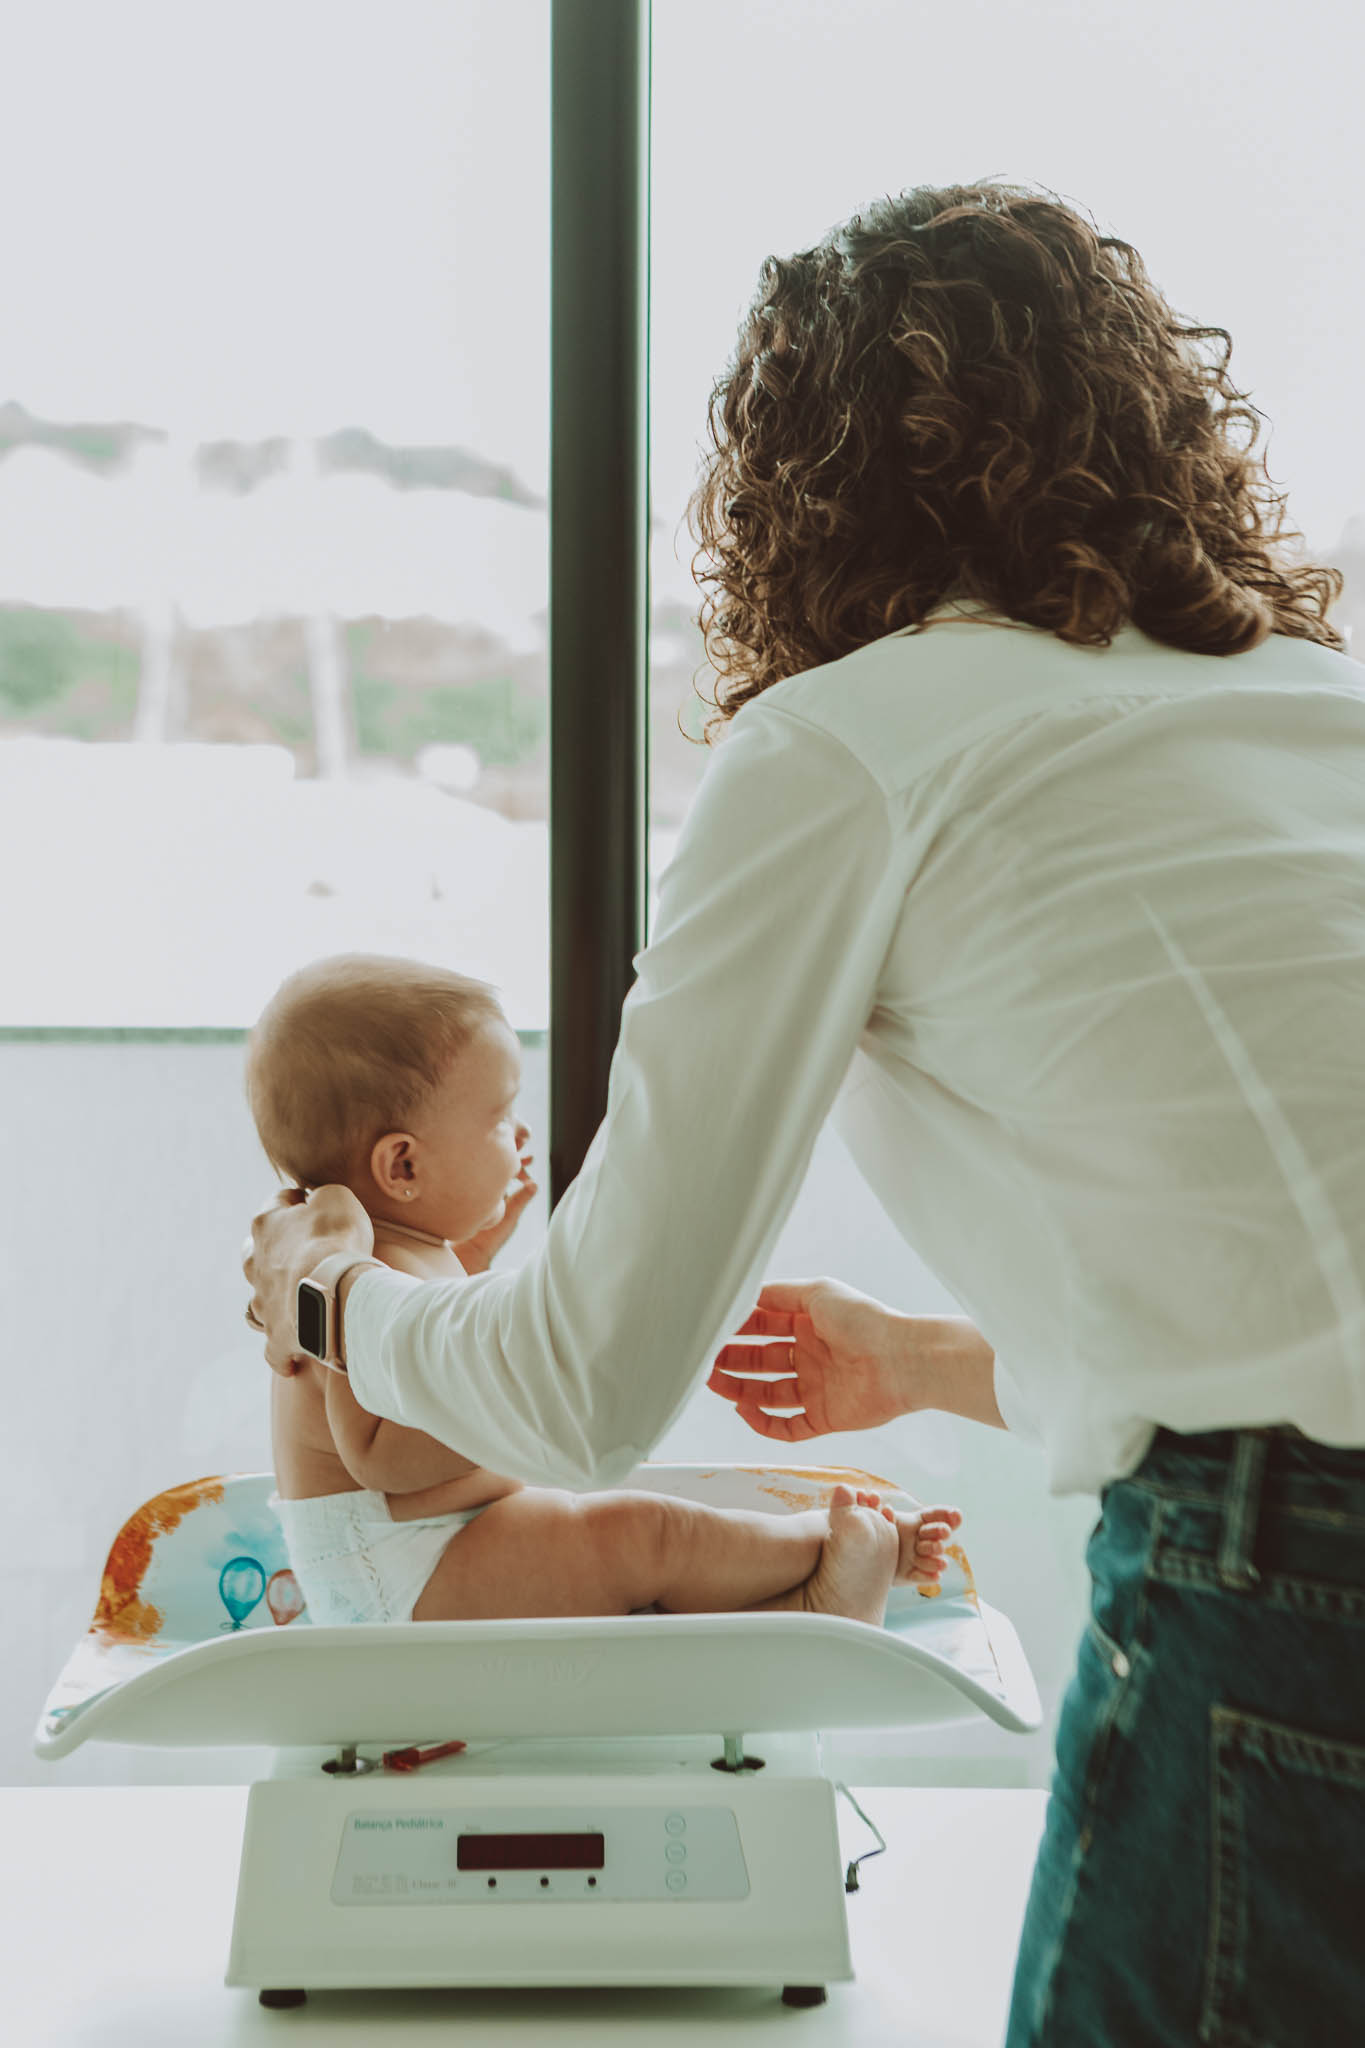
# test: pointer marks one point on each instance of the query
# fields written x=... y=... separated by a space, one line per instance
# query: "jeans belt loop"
x=1241 y=1509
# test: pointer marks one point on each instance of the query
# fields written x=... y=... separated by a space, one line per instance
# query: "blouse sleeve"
x=774 y=920
x=1017 y=1417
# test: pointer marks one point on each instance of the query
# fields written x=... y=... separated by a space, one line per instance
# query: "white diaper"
x=352 y=1560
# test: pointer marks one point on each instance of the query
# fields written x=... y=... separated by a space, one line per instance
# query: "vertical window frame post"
x=599 y=548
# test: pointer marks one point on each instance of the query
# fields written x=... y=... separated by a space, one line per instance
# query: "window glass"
x=273 y=475
x=1223 y=148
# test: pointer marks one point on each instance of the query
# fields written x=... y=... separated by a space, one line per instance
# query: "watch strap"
x=327 y=1276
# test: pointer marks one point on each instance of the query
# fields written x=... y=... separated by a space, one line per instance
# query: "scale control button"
x=676 y=1852
x=677 y=1880
x=675 y=1825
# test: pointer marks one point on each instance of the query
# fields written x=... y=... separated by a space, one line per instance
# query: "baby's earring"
x=409 y=1191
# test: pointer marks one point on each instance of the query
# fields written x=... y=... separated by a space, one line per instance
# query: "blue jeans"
x=1202 y=1871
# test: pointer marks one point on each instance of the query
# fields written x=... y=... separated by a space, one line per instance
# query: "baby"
x=399 y=1081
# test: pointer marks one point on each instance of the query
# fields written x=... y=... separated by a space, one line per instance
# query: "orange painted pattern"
x=795 y=1501
x=121 y=1610
x=959 y=1556
x=826 y=1476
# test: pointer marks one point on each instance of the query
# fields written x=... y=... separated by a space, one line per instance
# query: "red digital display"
x=531 y=1852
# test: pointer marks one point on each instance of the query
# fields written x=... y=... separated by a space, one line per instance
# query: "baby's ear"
x=390 y=1162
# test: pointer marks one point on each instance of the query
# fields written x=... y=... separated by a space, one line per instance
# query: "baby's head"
x=396 y=1080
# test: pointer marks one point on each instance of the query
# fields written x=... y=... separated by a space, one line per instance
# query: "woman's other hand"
x=287 y=1241
x=845 y=1361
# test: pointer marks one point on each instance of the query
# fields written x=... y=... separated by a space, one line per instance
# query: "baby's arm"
x=386 y=1456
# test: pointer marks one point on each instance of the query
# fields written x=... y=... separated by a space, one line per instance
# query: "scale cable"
x=851 y=1880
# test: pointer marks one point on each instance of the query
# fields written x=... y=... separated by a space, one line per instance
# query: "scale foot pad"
x=804 y=1994
x=280 y=1998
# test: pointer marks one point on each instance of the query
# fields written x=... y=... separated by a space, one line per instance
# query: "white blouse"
x=1080 y=935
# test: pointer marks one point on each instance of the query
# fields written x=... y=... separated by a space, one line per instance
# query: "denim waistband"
x=1236 y=1481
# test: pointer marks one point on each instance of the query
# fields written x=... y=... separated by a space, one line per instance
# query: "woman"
x=1037 y=839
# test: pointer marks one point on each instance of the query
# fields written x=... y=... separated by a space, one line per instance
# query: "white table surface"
x=116 y=1907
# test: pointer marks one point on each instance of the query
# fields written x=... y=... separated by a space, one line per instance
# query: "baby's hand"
x=477 y=1252
x=923 y=1536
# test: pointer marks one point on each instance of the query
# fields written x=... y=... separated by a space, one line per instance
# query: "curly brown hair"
x=968 y=391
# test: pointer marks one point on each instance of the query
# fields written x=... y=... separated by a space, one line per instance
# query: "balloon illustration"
x=240 y=1586
x=283 y=1597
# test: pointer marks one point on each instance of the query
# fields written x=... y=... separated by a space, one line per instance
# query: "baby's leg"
x=543 y=1552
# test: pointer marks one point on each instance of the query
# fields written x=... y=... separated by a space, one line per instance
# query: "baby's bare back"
x=308 y=1463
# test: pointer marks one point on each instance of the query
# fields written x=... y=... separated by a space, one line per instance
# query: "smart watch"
x=319 y=1311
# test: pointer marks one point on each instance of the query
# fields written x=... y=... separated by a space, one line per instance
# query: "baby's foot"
x=922 y=1536
x=857 y=1563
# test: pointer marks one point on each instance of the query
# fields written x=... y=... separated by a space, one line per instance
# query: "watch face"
x=312 y=1319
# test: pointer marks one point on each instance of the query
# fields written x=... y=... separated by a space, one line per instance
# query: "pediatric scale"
x=638 y=1800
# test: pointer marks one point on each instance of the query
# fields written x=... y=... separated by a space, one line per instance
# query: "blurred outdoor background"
x=274 y=419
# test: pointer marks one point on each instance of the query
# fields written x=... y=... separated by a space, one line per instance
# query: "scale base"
x=800 y=1995
x=379 y=1880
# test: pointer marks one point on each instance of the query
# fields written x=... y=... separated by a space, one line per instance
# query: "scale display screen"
x=531 y=1852
x=487 y=1857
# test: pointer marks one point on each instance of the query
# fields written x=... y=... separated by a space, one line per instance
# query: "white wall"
x=131 y=1173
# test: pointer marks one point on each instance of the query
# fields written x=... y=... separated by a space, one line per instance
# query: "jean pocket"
x=1288 y=1873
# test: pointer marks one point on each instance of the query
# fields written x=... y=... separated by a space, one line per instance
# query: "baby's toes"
x=930 y=1545
x=908 y=1530
x=951 y=1516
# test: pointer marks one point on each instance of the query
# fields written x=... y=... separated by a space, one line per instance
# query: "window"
x=273 y=521
x=1227 y=154
x=1236 y=178
x=274 y=440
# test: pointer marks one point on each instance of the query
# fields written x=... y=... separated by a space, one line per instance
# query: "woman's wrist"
x=945 y=1362
x=365 y=1264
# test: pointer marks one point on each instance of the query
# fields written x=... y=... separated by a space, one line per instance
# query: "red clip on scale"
x=413 y=1759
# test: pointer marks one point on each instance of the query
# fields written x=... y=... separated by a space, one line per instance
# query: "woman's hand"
x=476 y=1253
x=846 y=1362
x=849 y=1363
x=287 y=1241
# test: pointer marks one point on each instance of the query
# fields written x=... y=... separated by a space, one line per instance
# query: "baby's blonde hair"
x=348 y=1049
